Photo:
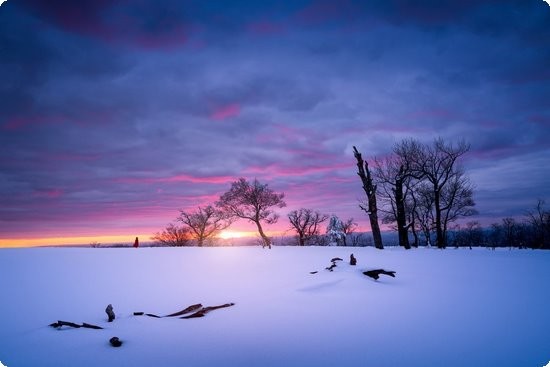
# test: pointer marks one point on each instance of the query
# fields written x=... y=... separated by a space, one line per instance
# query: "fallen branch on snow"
x=198 y=309
x=375 y=273
x=60 y=323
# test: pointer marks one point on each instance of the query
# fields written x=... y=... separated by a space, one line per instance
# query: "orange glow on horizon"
x=110 y=239
x=64 y=241
x=227 y=234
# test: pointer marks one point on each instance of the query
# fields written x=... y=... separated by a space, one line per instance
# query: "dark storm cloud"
x=133 y=109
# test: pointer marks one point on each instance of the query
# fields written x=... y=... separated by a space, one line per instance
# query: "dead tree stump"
x=110 y=313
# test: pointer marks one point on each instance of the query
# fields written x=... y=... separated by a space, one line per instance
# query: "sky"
x=114 y=115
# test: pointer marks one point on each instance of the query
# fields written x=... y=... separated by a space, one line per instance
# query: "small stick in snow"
x=110 y=313
x=187 y=310
x=60 y=323
x=90 y=326
x=313 y=272
x=152 y=315
x=330 y=268
x=205 y=310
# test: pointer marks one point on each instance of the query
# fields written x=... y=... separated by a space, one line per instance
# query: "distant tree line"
x=533 y=231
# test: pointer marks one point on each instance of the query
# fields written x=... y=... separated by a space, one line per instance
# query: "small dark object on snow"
x=313 y=272
x=375 y=274
x=90 y=326
x=336 y=259
x=352 y=260
x=115 y=341
x=60 y=323
x=202 y=312
x=152 y=315
x=187 y=310
x=110 y=313
x=330 y=268
x=138 y=313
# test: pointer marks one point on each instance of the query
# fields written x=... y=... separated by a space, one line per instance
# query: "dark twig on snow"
x=333 y=261
x=202 y=312
x=375 y=273
x=198 y=309
x=186 y=310
x=60 y=323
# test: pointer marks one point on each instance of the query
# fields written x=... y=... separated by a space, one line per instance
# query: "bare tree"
x=456 y=199
x=173 y=235
x=437 y=164
x=252 y=201
x=204 y=223
x=395 y=177
x=423 y=210
x=539 y=218
x=348 y=227
x=306 y=223
x=370 y=190
x=509 y=227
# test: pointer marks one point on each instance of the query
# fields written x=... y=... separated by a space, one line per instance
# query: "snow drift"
x=444 y=308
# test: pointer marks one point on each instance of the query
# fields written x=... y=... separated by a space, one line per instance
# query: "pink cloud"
x=226 y=111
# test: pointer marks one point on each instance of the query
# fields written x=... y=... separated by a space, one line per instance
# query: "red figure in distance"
x=136 y=243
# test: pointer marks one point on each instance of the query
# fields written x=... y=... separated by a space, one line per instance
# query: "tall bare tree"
x=456 y=199
x=539 y=218
x=254 y=202
x=306 y=223
x=438 y=165
x=204 y=223
x=423 y=204
x=173 y=235
x=370 y=190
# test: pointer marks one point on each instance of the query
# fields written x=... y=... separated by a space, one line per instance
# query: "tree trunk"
x=265 y=239
x=301 y=240
x=402 y=229
x=439 y=238
x=370 y=190
x=415 y=235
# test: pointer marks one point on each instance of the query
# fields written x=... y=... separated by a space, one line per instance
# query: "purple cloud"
x=115 y=114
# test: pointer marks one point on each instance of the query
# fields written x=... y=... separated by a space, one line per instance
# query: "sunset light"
x=116 y=115
x=227 y=234
x=67 y=241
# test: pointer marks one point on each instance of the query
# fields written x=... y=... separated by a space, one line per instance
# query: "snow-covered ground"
x=444 y=308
